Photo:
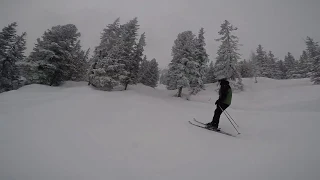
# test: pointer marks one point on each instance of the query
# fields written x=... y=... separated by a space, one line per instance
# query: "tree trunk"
x=126 y=86
x=179 y=92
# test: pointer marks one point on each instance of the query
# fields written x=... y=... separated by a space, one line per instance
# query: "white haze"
x=279 y=25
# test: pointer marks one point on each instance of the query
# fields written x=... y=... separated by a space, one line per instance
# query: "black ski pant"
x=217 y=113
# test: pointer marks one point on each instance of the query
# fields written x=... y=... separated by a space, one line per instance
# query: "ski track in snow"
x=74 y=132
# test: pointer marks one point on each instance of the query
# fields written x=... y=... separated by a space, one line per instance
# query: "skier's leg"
x=218 y=112
x=216 y=117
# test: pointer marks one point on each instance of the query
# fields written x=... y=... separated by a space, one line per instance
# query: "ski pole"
x=230 y=121
x=231 y=118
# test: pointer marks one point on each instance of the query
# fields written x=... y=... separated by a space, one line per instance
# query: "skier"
x=224 y=101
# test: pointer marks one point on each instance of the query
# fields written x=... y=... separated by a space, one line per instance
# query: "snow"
x=74 y=132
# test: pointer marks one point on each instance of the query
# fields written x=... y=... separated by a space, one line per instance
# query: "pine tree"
x=274 y=71
x=225 y=66
x=289 y=63
x=210 y=76
x=138 y=58
x=240 y=67
x=59 y=55
x=201 y=58
x=151 y=76
x=282 y=69
x=108 y=71
x=263 y=63
x=245 y=69
x=129 y=33
x=255 y=66
x=144 y=64
x=303 y=65
x=164 y=76
x=300 y=68
x=19 y=47
x=80 y=64
x=295 y=72
x=8 y=38
x=122 y=39
x=313 y=51
x=12 y=49
x=109 y=37
x=312 y=47
x=107 y=65
x=315 y=76
x=182 y=68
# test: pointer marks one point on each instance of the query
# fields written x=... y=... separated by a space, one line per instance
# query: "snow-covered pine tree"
x=295 y=71
x=201 y=57
x=210 y=76
x=263 y=63
x=144 y=65
x=303 y=65
x=240 y=67
x=278 y=74
x=300 y=68
x=129 y=33
x=282 y=69
x=109 y=72
x=225 y=66
x=81 y=64
x=12 y=49
x=250 y=72
x=8 y=38
x=313 y=51
x=109 y=37
x=182 y=68
x=315 y=76
x=312 y=48
x=151 y=76
x=18 y=54
x=164 y=76
x=20 y=47
x=289 y=63
x=107 y=65
x=138 y=58
x=273 y=69
x=57 y=54
x=245 y=69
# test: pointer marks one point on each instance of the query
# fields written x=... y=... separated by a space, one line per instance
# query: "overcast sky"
x=279 y=25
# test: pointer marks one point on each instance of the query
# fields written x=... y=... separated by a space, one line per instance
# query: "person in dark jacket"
x=224 y=101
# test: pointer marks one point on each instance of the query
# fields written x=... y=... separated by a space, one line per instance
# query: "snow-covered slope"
x=74 y=132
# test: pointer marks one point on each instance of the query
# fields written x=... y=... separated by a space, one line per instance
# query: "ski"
x=219 y=131
x=198 y=121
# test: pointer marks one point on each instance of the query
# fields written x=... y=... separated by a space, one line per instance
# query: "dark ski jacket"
x=225 y=93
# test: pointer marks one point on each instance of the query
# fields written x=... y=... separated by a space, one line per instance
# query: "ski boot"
x=212 y=127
